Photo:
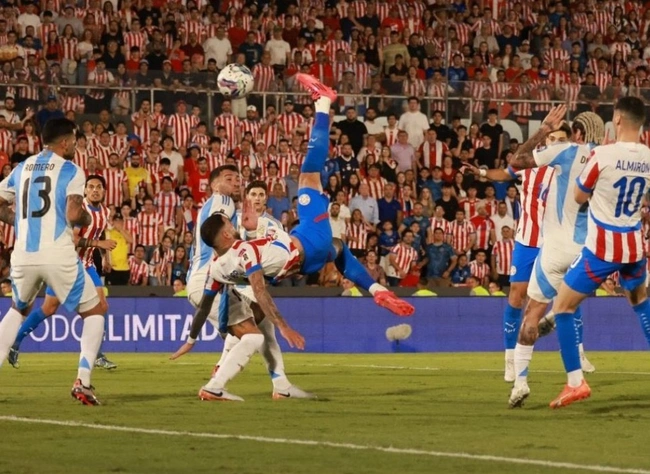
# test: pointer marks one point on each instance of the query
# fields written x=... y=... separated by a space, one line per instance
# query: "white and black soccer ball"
x=235 y=81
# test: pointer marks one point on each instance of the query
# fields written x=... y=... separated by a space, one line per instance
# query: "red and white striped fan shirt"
x=602 y=79
x=483 y=227
x=614 y=230
x=271 y=136
x=271 y=182
x=502 y=250
x=391 y=136
x=437 y=90
x=479 y=270
x=231 y=124
x=132 y=226
x=543 y=94
x=102 y=153
x=167 y=205
x=6 y=139
x=120 y=143
x=263 y=76
x=290 y=122
x=161 y=121
x=115 y=179
x=99 y=222
x=144 y=130
x=149 y=225
x=432 y=155
x=404 y=256
x=215 y=159
x=332 y=46
x=571 y=93
x=80 y=157
x=478 y=91
x=43 y=32
x=73 y=103
x=250 y=126
x=101 y=79
x=181 y=126
x=8 y=235
x=68 y=47
x=338 y=68
x=361 y=73
x=415 y=88
x=356 y=235
x=463 y=32
x=138 y=271
x=461 y=234
x=603 y=20
x=552 y=54
x=376 y=187
x=134 y=40
x=534 y=188
x=193 y=27
x=522 y=109
x=623 y=48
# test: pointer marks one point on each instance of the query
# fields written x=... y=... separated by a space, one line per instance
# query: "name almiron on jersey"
x=633 y=166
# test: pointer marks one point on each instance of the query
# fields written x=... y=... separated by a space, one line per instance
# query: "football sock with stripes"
x=568 y=337
x=91 y=339
x=523 y=355
x=273 y=356
x=34 y=319
x=642 y=310
x=236 y=360
x=319 y=142
x=8 y=329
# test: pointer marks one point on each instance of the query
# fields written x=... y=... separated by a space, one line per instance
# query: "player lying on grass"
x=613 y=184
x=224 y=183
x=48 y=190
x=86 y=239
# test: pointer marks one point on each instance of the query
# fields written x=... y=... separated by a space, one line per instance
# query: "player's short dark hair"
x=257 y=184
x=57 y=128
x=215 y=173
x=632 y=107
x=167 y=178
x=566 y=128
x=211 y=228
x=98 y=178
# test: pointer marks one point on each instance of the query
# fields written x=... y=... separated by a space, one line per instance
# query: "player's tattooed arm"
x=75 y=212
x=6 y=214
x=524 y=156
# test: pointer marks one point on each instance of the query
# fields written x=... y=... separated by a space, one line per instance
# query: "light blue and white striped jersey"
x=267 y=226
x=40 y=186
x=201 y=254
x=564 y=218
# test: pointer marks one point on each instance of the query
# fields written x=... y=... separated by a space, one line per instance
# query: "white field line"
x=329 y=444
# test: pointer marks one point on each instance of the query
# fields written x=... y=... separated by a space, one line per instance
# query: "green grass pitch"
x=441 y=413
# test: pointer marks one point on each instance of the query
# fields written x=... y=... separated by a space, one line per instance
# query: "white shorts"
x=71 y=284
x=239 y=306
x=551 y=265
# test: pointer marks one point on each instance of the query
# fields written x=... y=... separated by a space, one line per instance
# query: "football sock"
x=8 y=329
x=352 y=269
x=35 y=318
x=273 y=356
x=642 y=310
x=579 y=326
x=230 y=342
x=91 y=338
x=319 y=142
x=567 y=336
x=523 y=355
x=236 y=360
x=100 y=353
x=511 y=324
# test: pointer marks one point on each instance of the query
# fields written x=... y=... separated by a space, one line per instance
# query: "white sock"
x=273 y=356
x=575 y=378
x=9 y=327
x=91 y=340
x=230 y=342
x=581 y=348
x=375 y=288
x=323 y=105
x=236 y=360
x=523 y=355
x=510 y=354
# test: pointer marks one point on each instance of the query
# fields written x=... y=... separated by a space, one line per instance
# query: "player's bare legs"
x=309 y=191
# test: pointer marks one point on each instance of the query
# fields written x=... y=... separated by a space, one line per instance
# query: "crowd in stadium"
x=397 y=194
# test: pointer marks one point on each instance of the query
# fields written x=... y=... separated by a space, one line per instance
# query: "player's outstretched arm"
x=75 y=213
x=266 y=303
x=199 y=320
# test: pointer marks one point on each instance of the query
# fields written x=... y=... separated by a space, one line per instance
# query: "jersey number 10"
x=629 y=195
x=43 y=194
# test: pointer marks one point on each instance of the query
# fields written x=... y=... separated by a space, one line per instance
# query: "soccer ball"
x=235 y=81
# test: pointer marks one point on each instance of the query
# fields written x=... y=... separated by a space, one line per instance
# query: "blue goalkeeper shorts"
x=523 y=261
x=314 y=230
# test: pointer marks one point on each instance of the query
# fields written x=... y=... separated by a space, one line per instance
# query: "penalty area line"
x=330 y=444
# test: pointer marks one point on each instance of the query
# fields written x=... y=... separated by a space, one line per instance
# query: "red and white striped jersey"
x=502 y=251
x=271 y=182
x=115 y=179
x=120 y=143
x=359 y=8
x=8 y=235
x=263 y=76
x=6 y=140
x=193 y=27
x=602 y=79
x=542 y=92
x=469 y=206
x=271 y=136
x=404 y=256
x=338 y=68
x=68 y=47
x=376 y=187
x=149 y=226
x=391 y=136
x=444 y=224
x=167 y=205
x=132 y=226
x=432 y=155
x=463 y=32
x=215 y=159
x=231 y=124
x=250 y=126
x=102 y=79
x=499 y=90
x=161 y=121
x=414 y=87
x=181 y=126
x=139 y=271
x=571 y=93
x=43 y=31
x=495 y=28
x=522 y=109
x=143 y=131
x=617 y=176
x=102 y=154
x=99 y=222
x=552 y=54
x=479 y=270
x=461 y=234
x=332 y=46
x=624 y=48
x=134 y=40
x=73 y=103
x=483 y=227
x=603 y=20
x=361 y=73
x=80 y=157
x=202 y=140
x=290 y=122
x=356 y=235
x=534 y=188
x=478 y=90
x=437 y=90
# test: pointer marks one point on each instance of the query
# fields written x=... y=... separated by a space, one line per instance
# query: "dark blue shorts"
x=523 y=261
x=587 y=272
x=314 y=230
